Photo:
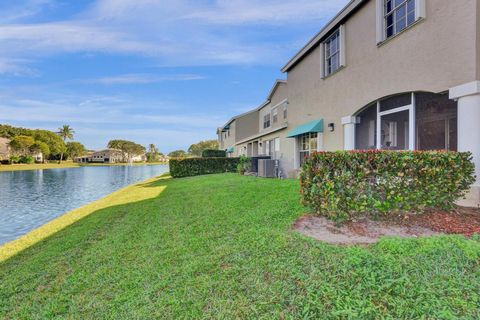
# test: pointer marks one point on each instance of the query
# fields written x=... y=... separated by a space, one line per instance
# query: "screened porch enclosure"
x=411 y=121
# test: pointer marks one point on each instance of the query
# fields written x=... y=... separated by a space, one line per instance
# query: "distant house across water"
x=108 y=156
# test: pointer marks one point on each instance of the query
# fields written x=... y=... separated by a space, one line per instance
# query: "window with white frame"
x=332 y=48
x=308 y=145
x=275 y=115
x=333 y=52
x=277 y=144
x=394 y=16
x=268 y=148
x=266 y=121
x=398 y=15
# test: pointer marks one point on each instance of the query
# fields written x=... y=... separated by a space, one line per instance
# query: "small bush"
x=244 y=164
x=343 y=184
x=200 y=166
x=211 y=153
x=14 y=159
x=26 y=160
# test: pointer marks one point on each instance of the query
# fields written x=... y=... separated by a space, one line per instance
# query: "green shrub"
x=14 y=159
x=211 y=153
x=26 y=160
x=343 y=184
x=199 y=166
x=244 y=164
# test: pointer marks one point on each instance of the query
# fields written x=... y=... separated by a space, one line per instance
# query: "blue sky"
x=151 y=71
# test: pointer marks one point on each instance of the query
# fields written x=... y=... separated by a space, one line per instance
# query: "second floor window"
x=275 y=115
x=398 y=15
x=266 y=121
x=332 y=53
x=285 y=112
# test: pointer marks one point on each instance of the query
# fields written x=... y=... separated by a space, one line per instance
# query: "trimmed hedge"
x=211 y=153
x=343 y=184
x=199 y=166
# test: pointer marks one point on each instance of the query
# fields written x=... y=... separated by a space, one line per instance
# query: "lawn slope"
x=221 y=246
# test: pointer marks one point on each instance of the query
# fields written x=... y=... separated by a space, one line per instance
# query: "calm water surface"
x=29 y=199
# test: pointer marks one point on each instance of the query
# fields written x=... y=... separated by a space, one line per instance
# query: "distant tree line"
x=54 y=145
x=195 y=150
x=26 y=142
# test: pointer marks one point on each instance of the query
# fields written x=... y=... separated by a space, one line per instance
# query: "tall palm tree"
x=65 y=132
x=152 y=152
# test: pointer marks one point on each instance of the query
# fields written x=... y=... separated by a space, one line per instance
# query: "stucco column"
x=296 y=154
x=349 y=132
x=468 y=98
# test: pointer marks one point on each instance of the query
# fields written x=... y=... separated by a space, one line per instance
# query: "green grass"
x=37 y=166
x=68 y=164
x=222 y=247
x=122 y=164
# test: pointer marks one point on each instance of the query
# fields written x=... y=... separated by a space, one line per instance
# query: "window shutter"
x=342 y=46
x=322 y=60
x=380 y=26
x=420 y=9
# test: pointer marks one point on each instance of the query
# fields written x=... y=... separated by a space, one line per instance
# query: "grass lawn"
x=68 y=164
x=37 y=166
x=122 y=164
x=221 y=246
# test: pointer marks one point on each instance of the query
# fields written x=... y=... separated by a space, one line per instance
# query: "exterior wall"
x=434 y=55
x=4 y=149
x=246 y=126
x=478 y=39
x=287 y=150
x=280 y=94
x=228 y=140
x=113 y=156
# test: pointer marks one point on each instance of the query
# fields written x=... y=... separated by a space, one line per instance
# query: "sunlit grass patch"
x=137 y=192
x=222 y=247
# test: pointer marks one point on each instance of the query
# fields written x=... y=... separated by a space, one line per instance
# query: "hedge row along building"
x=382 y=74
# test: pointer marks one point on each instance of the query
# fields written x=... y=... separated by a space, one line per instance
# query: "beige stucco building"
x=385 y=74
x=4 y=149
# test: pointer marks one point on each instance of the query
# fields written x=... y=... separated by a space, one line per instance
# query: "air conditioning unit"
x=267 y=168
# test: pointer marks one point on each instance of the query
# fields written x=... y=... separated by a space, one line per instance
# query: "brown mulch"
x=463 y=220
x=364 y=230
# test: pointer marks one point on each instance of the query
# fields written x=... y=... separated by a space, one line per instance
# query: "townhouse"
x=385 y=74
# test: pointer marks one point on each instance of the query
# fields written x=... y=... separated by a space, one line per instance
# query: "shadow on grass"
x=131 y=195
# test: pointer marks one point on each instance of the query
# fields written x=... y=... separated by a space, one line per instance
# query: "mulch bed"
x=464 y=221
x=364 y=230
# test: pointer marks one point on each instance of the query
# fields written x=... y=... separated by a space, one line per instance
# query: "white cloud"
x=144 y=78
x=16 y=67
x=15 y=11
x=67 y=37
x=265 y=11
x=175 y=33
x=98 y=111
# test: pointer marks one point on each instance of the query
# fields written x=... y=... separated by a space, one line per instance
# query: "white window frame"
x=340 y=32
x=275 y=115
x=267 y=121
x=309 y=150
x=420 y=13
x=276 y=142
x=411 y=122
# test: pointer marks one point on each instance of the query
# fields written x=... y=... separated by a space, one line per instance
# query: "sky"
x=150 y=71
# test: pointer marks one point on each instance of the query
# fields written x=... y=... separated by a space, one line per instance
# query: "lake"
x=29 y=199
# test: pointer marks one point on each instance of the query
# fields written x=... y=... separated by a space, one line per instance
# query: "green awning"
x=227 y=127
x=313 y=126
x=229 y=150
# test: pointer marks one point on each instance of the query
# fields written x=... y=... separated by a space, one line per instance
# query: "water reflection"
x=29 y=199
